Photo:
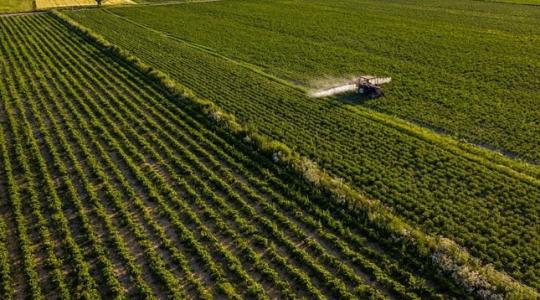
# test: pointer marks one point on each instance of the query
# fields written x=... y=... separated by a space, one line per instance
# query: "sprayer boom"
x=374 y=80
x=366 y=85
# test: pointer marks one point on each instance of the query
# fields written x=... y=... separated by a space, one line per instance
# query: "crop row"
x=494 y=215
x=147 y=200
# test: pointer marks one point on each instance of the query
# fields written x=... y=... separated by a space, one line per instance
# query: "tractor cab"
x=368 y=86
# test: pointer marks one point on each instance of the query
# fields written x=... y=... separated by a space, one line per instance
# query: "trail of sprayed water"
x=333 y=91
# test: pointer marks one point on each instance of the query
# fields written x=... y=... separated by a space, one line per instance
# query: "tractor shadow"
x=354 y=98
x=341 y=100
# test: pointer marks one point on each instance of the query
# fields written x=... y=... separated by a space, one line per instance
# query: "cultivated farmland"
x=112 y=186
x=462 y=74
x=18 y=6
x=15 y=5
x=44 y=4
x=172 y=150
x=245 y=61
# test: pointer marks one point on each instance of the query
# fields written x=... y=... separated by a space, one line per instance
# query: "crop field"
x=112 y=187
x=42 y=4
x=250 y=59
x=488 y=98
x=15 y=5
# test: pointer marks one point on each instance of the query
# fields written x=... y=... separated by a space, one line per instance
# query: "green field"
x=114 y=187
x=171 y=150
x=452 y=69
x=7 y=6
x=462 y=74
